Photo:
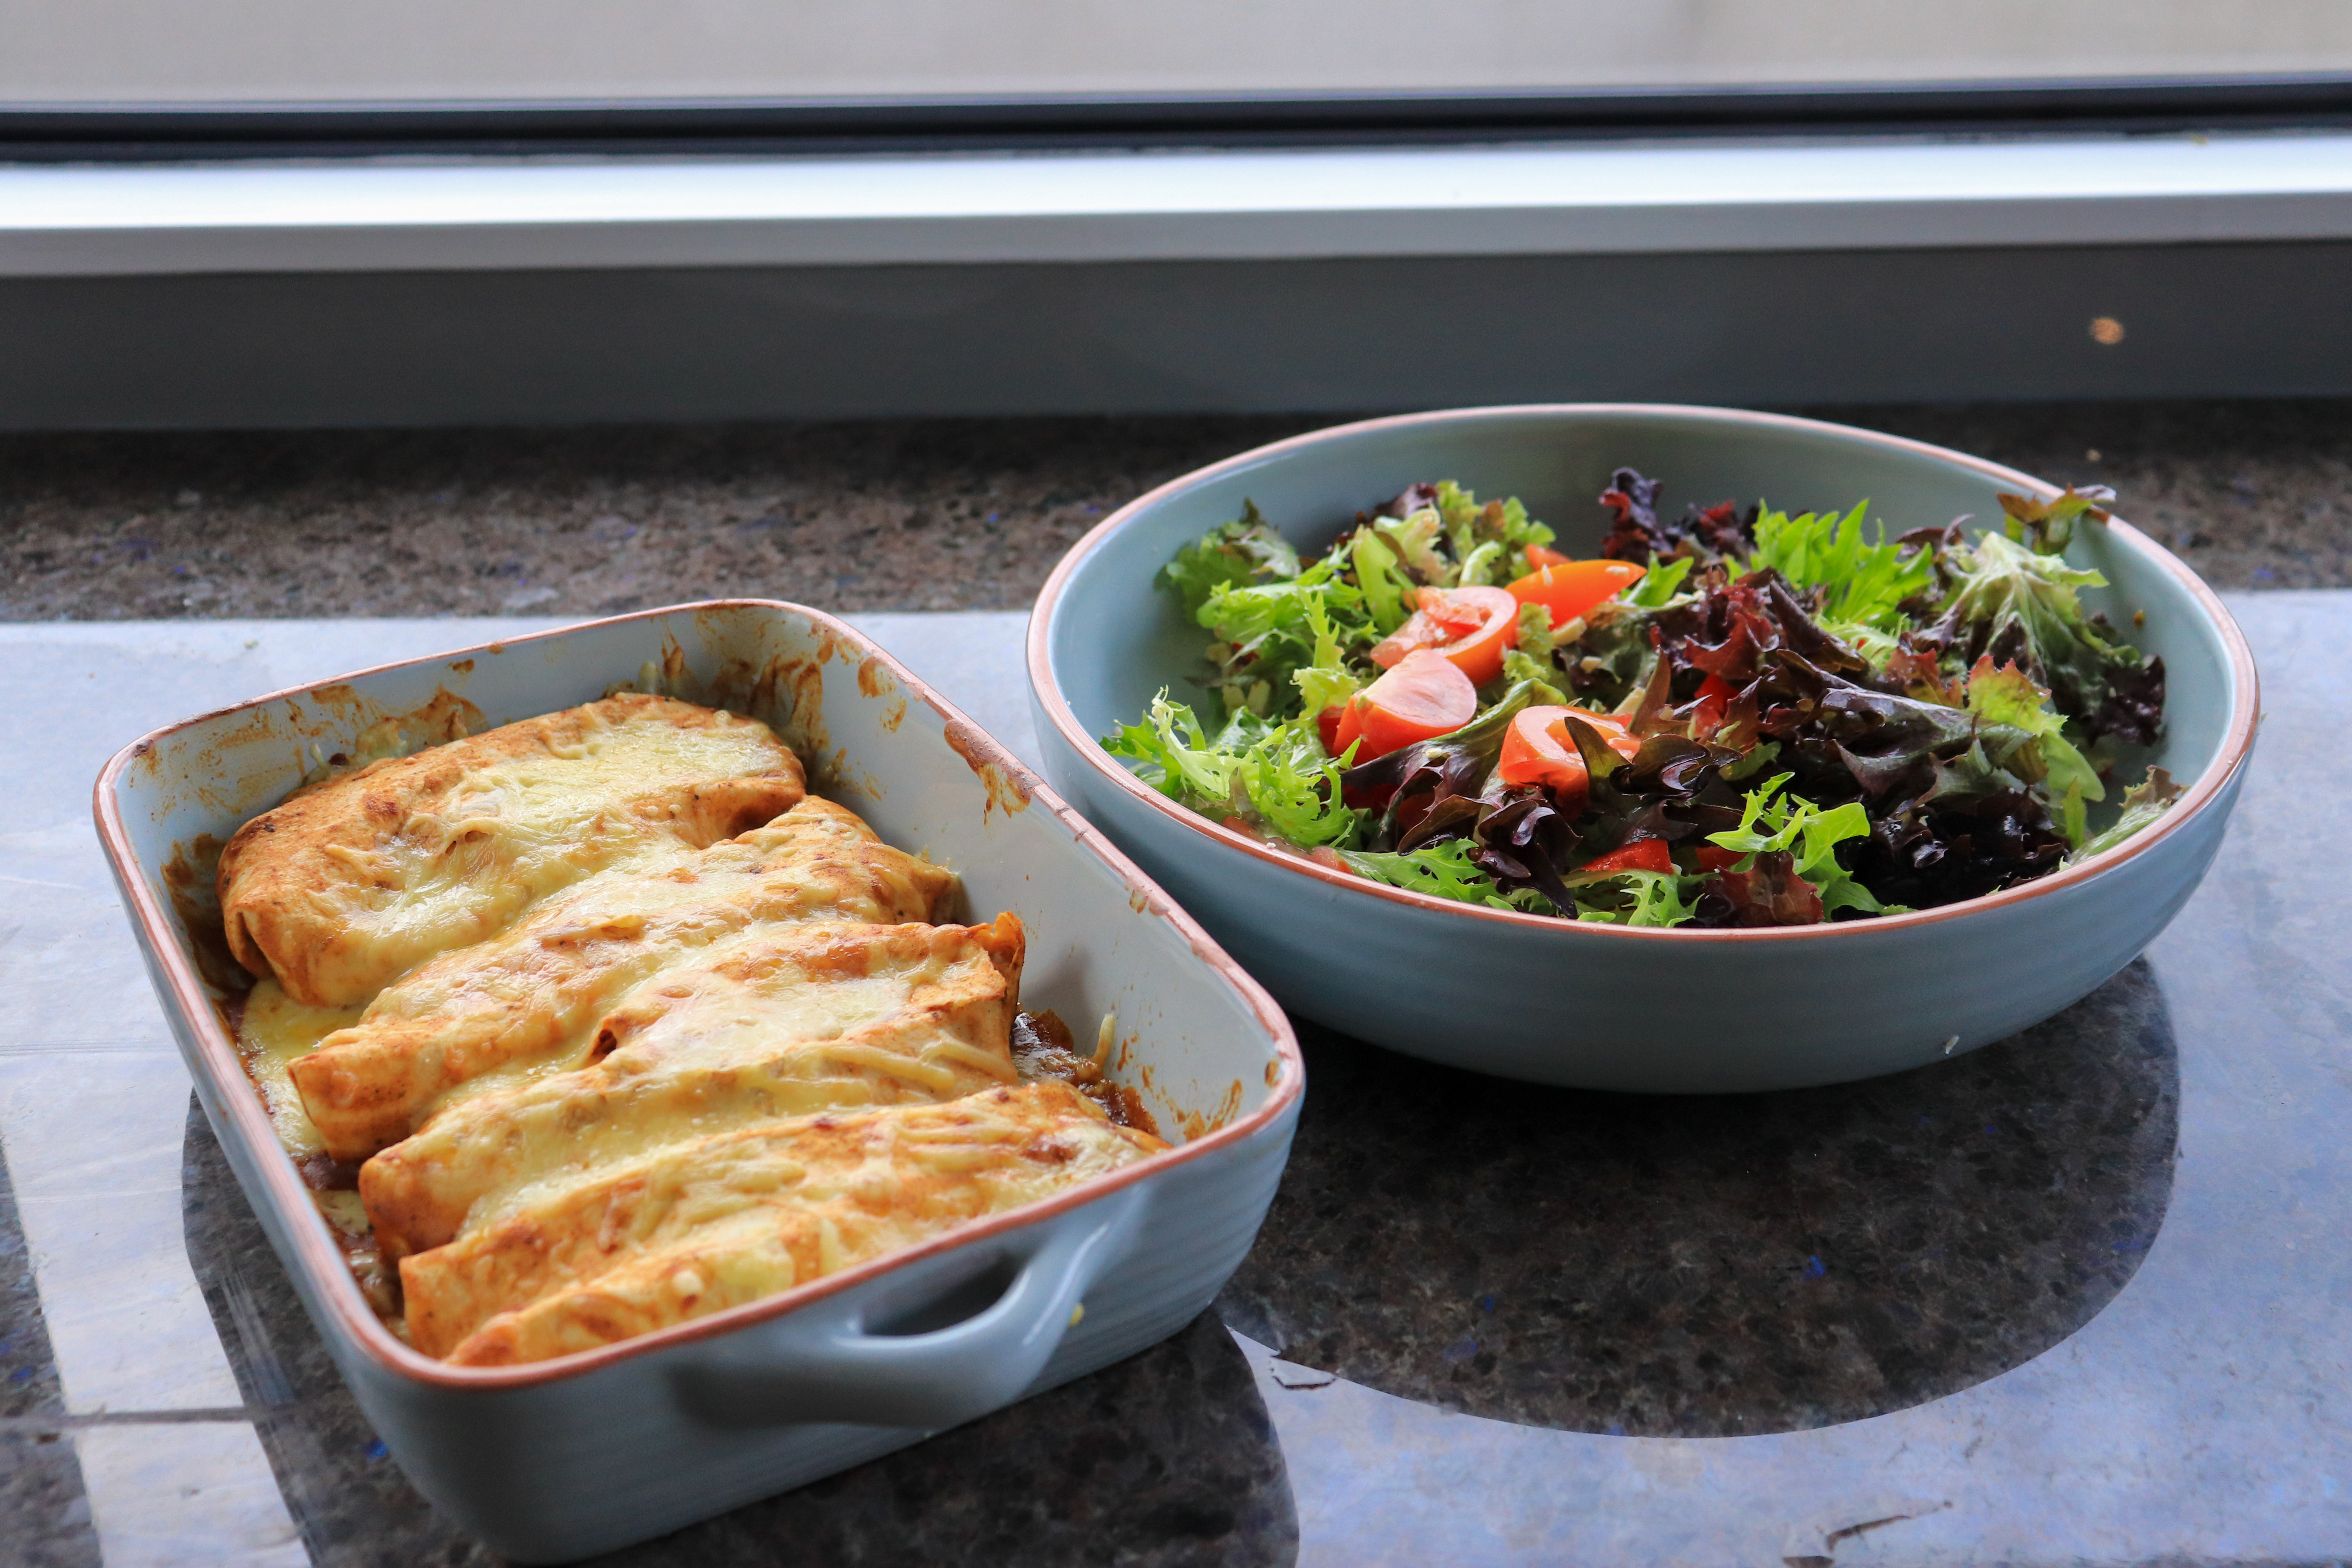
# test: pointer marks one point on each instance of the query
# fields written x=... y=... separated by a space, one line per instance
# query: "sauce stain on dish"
x=1195 y=1126
x=1005 y=792
x=188 y=884
x=875 y=680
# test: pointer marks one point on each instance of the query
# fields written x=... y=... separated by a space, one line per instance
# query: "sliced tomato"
x=1538 y=558
x=1537 y=750
x=1642 y=854
x=1712 y=858
x=1349 y=730
x=1573 y=588
x=1328 y=724
x=1474 y=627
x=1423 y=695
x=1714 y=695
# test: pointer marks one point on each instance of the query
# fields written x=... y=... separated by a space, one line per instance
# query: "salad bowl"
x=1578 y=1002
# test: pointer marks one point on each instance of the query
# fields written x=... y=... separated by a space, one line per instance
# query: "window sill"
x=963 y=209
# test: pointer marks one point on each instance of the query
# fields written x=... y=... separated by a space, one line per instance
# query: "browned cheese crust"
x=781 y=1022
x=704 y=1226
x=536 y=993
x=352 y=883
x=628 y=1029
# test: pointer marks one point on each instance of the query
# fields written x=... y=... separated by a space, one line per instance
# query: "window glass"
x=79 y=52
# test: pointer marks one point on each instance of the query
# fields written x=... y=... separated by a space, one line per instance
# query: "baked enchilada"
x=599 y=1022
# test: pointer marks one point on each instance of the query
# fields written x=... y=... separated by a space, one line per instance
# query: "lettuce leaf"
x=1267 y=632
x=2047 y=526
x=2009 y=695
x=1414 y=540
x=1173 y=754
x=1275 y=777
x=1660 y=583
x=1246 y=550
x=2012 y=604
x=1537 y=674
x=1659 y=899
x=1861 y=583
x=2143 y=804
x=1325 y=680
x=1377 y=581
x=1469 y=524
x=1293 y=789
x=1771 y=823
x=1478 y=568
x=1444 y=871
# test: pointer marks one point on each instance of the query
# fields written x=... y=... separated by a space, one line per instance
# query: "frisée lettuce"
x=1738 y=717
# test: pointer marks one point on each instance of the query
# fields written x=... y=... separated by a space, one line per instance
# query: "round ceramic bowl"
x=1596 y=1005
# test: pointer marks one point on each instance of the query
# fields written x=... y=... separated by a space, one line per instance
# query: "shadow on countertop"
x=1165 y=1460
x=1714 y=1266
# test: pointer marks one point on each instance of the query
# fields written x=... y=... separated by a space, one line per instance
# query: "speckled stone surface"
x=1166 y=1461
x=899 y=515
x=44 y=1515
x=1716 y=1266
x=2183 y=1405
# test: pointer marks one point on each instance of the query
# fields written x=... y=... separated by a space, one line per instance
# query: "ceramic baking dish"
x=562 y=1458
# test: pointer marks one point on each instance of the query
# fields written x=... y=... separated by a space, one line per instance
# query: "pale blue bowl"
x=1601 y=1006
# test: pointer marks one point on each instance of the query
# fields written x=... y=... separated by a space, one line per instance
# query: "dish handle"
x=828 y=1364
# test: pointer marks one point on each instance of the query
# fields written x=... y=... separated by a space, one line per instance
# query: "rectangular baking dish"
x=563 y=1458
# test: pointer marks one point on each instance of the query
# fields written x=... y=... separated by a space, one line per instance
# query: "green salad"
x=1730 y=718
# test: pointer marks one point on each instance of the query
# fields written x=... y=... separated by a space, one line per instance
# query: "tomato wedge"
x=1538 y=558
x=1425 y=694
x=1474 y=627
x=1537 y=750
x=1642 y=854
x=1712 y=858
x=1328 y=724
x=1573 y=588
x=1714 y=695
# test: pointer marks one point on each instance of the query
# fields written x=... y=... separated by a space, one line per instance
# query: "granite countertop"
x=899 y=516
x=2077 y=1297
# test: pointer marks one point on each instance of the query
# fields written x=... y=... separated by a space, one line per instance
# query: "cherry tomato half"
x=1642 y=854
x=1574 y=588
x=1425 y=694
x=1537 y=750
x=1474 y=627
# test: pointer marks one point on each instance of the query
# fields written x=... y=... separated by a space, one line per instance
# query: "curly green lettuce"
x=1233 y=554
x=2010 y=603
x=1275 y=777
x=1772 y=823
x=1444 y=871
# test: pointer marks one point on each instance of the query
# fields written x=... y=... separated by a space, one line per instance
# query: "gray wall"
x=717 y=343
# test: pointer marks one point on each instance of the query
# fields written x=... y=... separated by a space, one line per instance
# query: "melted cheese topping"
x=777 y=1024
x=633 y=1031
x=708 y=1224
x=348 y=885
x=275 y=1031
x=529 y=1001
